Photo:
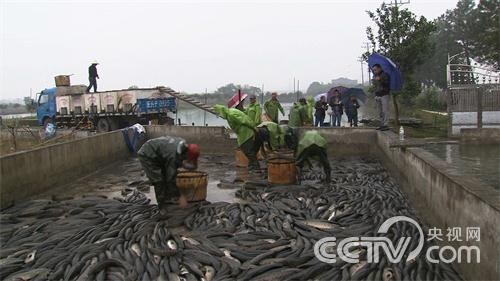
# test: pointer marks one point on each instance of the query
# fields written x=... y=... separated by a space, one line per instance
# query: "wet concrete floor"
x=116 y=180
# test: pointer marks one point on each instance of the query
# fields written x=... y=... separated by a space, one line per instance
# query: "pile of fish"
x=268 y=235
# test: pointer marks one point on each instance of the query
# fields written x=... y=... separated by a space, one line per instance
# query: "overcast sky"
x=186 y=45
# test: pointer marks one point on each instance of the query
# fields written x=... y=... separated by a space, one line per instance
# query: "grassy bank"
x=434 y=125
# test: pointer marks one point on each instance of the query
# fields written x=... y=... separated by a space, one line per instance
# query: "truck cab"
x=46 y=106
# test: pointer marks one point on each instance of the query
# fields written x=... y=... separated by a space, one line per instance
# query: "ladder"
x=186 y=98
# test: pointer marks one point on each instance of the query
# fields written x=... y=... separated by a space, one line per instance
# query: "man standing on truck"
x=93 y=76
x=160 y=158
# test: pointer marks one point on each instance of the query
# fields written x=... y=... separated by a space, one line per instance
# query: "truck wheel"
x=113 y=124
x=103 y=125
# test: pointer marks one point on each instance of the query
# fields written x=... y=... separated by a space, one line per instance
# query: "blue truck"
x=70 y=106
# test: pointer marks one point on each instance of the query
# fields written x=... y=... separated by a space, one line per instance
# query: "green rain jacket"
x=167 y=152
x=310 y=110
x=271 y=107
x=238 y=121
x=297 y=115
x=254 y=112
x=310 y=138
x=276 y=134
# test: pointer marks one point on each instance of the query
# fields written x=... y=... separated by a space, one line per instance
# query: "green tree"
x=28 y=103
x=433 y=70
x=484 y=24
x=469 y=31
x=230 y=89
x=404 y=38
x=316 y=88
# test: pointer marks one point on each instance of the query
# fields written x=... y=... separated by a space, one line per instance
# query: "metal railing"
x=465 y=98
x=464 y=74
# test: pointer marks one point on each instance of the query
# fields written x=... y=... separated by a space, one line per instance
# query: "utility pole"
x=204 y=111
x=262 y=95
x=360 y=59
x=298 y=83
x=294 y=85
x=368 y=66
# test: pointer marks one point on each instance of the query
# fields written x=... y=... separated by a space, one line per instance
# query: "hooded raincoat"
x=298 y=115
x=272 y=107
x=313 y=146
x=310 y=111
x=276 y=134
x=254 y=112
x=310 y=138
x=238 y=121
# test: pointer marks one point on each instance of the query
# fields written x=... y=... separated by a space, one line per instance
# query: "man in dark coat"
x=93 y=76
x=382 y=95
x=335 y=103
x=321 y=106
x=160 y=159
x=351 y=109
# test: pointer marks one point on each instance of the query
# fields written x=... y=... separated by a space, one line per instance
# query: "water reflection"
x=478 y=160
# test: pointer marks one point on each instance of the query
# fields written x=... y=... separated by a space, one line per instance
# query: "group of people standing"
x=260 y=131
x=337 y=109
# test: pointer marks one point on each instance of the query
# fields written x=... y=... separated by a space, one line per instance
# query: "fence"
x=465 y=98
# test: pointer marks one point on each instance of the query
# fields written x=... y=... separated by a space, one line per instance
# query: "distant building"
x=346 y=82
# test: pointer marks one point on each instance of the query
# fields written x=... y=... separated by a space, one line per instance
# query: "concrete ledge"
x=28 y=173
x=447 y=199
x=210 y=139
x=347 y=141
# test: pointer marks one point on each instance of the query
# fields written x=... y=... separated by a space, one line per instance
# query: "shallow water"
x=478 y=160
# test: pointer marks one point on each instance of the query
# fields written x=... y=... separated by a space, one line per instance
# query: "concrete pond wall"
x=26 y=173
x=442 y=197
x=447 y=199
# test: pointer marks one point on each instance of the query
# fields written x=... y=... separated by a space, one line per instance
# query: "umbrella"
x=389 y=67
x=340 y=89
x=318 y=97
x=357 y=92
x=236 y=99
